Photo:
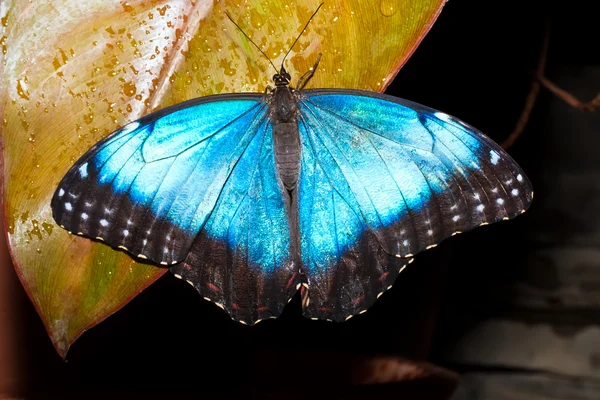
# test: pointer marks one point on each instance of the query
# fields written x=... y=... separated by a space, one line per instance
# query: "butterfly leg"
x=307 y=76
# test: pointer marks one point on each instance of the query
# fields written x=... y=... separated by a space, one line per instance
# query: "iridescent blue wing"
x=184 y=176
x=382 y=179
x=249 y=270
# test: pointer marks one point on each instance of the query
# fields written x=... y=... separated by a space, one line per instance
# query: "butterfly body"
x=249 y=196
x=283 y=111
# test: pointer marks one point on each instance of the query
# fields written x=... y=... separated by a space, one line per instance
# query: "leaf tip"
x=60 y=337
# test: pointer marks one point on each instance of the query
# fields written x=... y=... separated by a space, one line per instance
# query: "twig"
x=568 y=97
x=533 y=93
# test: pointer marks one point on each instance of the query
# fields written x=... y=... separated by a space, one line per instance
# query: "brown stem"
x=568 y=97
x=533 y=93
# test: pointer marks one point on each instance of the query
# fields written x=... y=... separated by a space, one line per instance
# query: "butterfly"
x=252 y=196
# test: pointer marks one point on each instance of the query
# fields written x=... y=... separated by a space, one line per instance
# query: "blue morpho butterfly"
x=251 y=196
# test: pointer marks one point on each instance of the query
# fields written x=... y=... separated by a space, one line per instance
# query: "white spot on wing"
x=520 y=178
x=443 y=116
x=456 y=218
x=83 y=170
x=515 y=192
x=61 y=192
x=125 y=232
x=500 y=201
x=84 y=216
x=494 y=157
x=130 y=127
x=480 y=207
x=103 y=222
x=68 y=206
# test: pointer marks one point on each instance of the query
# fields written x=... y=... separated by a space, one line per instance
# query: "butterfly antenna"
x=252 y=41
x=303 y=29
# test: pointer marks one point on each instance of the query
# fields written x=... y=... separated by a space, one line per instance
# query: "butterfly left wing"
x=184 y=176
x=383 y=179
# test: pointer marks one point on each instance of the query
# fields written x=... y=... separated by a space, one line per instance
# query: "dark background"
x=475 y=64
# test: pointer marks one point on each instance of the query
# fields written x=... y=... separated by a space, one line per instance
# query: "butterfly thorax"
x=283 y=110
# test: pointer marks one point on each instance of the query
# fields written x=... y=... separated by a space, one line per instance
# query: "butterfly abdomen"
x=284 y=116
x=287 y=153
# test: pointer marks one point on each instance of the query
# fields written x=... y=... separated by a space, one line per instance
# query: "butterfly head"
x=282 y=78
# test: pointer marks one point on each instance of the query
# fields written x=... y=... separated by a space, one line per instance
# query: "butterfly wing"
x=159 y=186
x=251 y=219
x=382 y=179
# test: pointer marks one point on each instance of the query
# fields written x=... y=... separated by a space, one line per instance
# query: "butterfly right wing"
x=382 y=179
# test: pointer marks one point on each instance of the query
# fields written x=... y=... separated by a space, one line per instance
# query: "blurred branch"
x=344 y=375
x=568 y=97
x=533 y=93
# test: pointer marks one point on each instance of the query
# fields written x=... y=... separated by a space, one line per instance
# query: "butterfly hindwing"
x=249 y=270
x=383 y=179
x=162 y=186
x=341 y=256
